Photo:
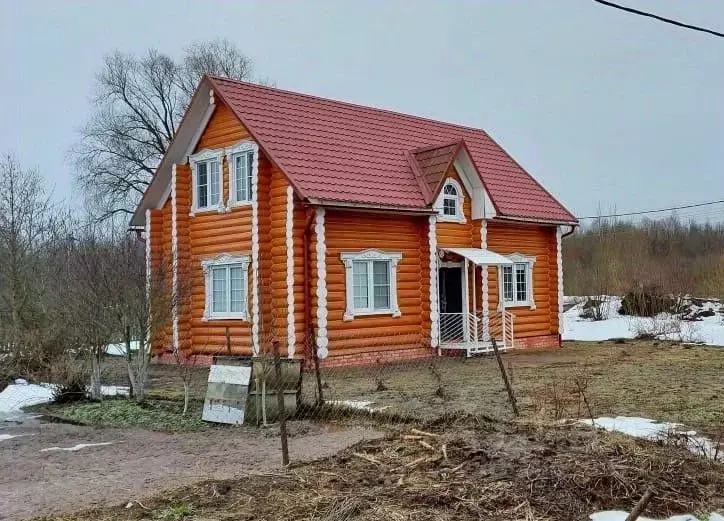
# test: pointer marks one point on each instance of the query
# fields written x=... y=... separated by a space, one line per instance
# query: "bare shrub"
x=70 y=376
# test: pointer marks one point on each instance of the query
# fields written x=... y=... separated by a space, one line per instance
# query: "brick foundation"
x=538 y=342
x=376 y=357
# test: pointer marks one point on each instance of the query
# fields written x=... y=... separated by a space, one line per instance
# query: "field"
x=529 y=467
x=652 y=379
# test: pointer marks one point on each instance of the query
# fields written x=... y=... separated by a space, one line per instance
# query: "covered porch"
x=466 y=321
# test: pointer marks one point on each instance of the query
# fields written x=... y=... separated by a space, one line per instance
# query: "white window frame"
x=225 y=260
x=525 y=260
x=369 y=256
x=459 y=217
x=206 y=156
x=244 y=147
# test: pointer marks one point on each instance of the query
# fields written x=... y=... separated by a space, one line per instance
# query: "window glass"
x=214 y=189
x=202 y=185
x=242 y=175
x=508 y=283
x=450 y=200
x=521 y=282
x=218 y=289
x=381 y=282
x=360 y=285
x=237 y=289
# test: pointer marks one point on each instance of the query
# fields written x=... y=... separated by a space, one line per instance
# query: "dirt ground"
x=138 y=462
x=462 y=468
x=652 y=379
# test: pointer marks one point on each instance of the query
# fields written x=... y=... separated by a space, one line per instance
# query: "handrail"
x=477 y=329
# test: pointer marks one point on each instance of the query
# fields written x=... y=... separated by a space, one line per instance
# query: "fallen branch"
x=367 y=457
x=423 y=433
x=641 y=505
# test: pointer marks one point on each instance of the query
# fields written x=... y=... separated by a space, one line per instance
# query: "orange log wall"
x=528 y=239
x=354 y=232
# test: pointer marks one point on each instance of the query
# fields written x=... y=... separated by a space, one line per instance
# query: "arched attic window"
x=450 y=202
x=450 y=205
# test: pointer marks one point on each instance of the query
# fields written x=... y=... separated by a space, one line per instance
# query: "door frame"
x=464 y=293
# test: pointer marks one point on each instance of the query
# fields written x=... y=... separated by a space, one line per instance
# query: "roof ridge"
x=348 y=103
x=428 y=148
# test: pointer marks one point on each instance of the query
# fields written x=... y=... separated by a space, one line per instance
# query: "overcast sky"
x=602 y=107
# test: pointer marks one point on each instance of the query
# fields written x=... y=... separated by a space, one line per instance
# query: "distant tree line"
x=660 y=256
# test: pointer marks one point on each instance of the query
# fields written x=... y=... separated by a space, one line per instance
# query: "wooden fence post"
x=504 y=374
x=280 y=403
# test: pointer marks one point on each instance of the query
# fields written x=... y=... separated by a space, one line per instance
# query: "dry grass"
x=636 y=378
x=459 y=468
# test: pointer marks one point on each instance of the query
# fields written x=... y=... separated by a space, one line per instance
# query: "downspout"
x=560 y=325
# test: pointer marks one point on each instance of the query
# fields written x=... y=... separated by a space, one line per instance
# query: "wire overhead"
x=660 y=18
x=660 y=210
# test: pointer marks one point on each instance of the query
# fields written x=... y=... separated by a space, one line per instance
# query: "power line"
x=660 y=18
x=644 y=212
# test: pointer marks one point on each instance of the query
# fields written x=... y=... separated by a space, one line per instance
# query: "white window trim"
x=370 y=255
x=200 y=157
x=239 y=148
x=438 y=205
x=225 y=260
x=529 y=261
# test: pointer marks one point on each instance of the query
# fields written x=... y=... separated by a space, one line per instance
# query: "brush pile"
x=464 y=469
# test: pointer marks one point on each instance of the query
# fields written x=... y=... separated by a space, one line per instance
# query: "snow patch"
x=708 y=330
x=77 y=447
x=619 y=515
x=359 y=405
x=673 y=433
x=120 y=349
x=16 y=396
x=4 y=437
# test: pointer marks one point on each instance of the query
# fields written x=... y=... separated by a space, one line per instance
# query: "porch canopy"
x=480 y=256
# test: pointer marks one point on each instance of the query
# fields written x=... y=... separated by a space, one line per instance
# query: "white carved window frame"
x=206 y=156
x=349 y=258
x=225 y=260
x=242 y=148
x=438 y=205
x=529 y=261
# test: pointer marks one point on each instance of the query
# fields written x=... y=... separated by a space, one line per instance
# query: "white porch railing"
x=474 y=332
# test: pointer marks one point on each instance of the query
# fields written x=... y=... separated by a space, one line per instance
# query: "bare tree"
x=138 y=104
x=25 y=220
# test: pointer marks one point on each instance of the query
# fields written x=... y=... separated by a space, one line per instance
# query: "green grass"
x=121 y=412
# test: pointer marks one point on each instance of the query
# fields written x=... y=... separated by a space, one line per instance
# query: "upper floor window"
x=243 y=165
x=518 y=281
x=371 y=278
x=449 y=204
x=206 y=180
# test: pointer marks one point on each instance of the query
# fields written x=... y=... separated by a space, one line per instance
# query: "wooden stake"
x=280 y=403
x=641 y=505
x=504 y=374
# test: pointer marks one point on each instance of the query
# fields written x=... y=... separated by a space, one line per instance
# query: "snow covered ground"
x=618 y=515
x=660 y=431
x=21 y=394
x=707 y=330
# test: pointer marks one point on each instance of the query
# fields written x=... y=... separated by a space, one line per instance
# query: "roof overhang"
x=480 y=256
x=342 y=205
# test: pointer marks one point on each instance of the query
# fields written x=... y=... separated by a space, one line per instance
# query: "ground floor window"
x=226 y=287
x=518 y=281
x=371 y=283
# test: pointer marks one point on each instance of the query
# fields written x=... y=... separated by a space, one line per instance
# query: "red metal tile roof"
x=337 y=151
x=434 y=163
